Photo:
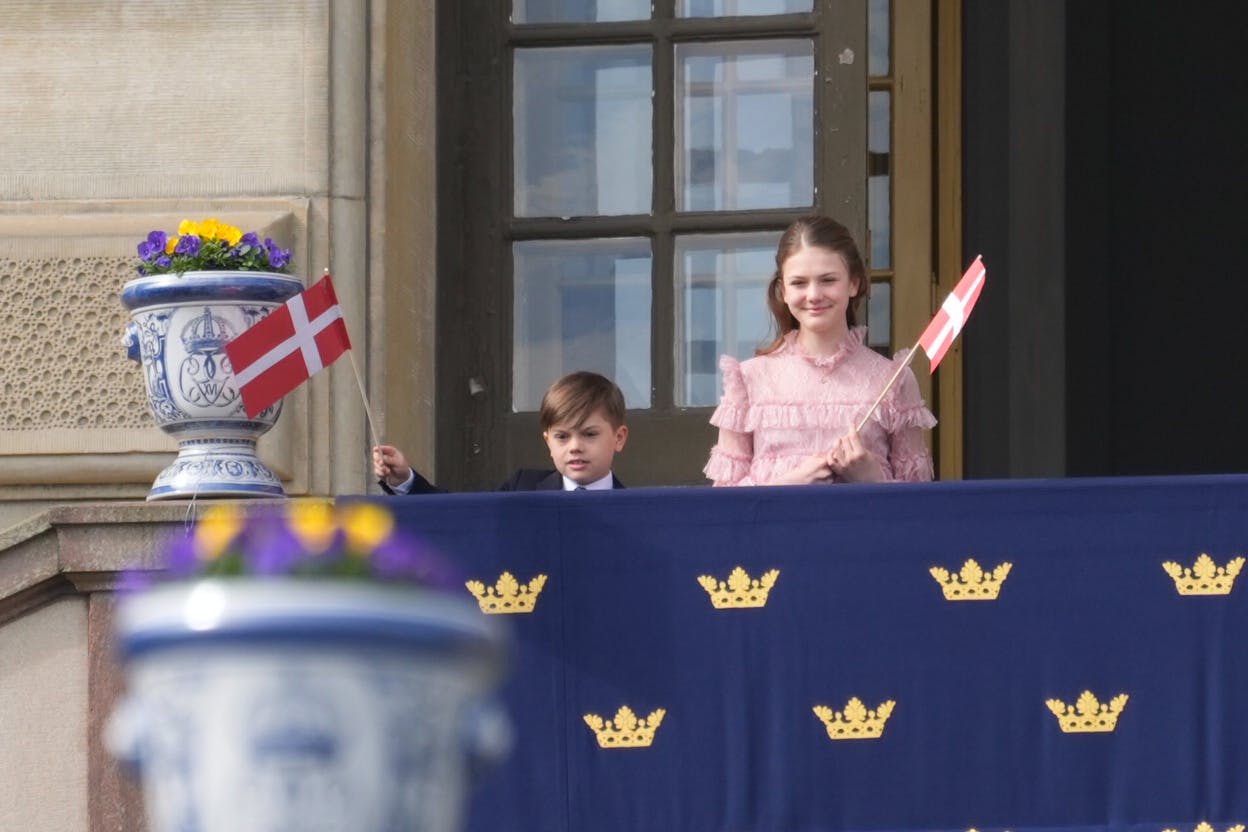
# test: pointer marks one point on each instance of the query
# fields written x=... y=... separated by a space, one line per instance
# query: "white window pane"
x=878 y=37
x=740 y=8
x=879 y=179
x=581 y=305
x=880 y=316
x=582 y=119
x=578 y=11
x=721 y=307
x=744 y=125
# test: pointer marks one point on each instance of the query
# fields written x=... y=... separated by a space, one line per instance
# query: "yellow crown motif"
x=626 y=730
x=1204 y=577
x=739 y=591
x=1087 y=715
x=855 y=722
x=1206 y=827
x=971 y=583
x=507 y=595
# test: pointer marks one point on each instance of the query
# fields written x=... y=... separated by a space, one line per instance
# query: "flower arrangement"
x=306 y=538
x=210 y=245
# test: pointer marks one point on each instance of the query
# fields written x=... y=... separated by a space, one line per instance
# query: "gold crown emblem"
x=971 y=583
x=855 y=722
x=507 y=595
x=1204 y=577
x=626 y=730
x=1206 y=827
x=1087 y=715
x=739 y=591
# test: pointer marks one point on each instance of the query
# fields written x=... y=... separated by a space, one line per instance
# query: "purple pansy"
x=402 y=558
x=180 y=556
x=270 y=547
x=148 y=249
x=278 y=256
x=250 y=239
x=188 y=244
x=164 y=261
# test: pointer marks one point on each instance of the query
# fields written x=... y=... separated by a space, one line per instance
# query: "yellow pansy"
x=209 y=229
x=366 y=525
x=229 y=233
x=171 y=243
x=187 y=227
x=216 y=530
x=312 y=521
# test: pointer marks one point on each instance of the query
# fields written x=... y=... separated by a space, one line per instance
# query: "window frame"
x=480 y=438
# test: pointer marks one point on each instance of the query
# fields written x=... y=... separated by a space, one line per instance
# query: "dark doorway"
x=1156 y=290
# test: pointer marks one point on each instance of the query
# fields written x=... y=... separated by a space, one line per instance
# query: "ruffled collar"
x=852 y=340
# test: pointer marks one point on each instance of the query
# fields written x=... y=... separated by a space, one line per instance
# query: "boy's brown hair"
x=574 y=398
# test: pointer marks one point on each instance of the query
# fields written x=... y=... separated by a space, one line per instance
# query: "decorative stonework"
x=73 y=411
x=60 y=356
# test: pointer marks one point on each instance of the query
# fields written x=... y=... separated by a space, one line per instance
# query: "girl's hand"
x=390 y=465
x=852 y=462
x=813 y=468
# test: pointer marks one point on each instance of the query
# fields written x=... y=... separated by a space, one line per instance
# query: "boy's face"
x=583 y=452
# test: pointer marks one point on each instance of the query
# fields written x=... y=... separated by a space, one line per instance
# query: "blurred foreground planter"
x=280 y=704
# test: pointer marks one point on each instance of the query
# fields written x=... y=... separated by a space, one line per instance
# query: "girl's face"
x=818 y=289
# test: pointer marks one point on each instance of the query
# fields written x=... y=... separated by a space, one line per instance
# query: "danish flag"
x=944 y=328
x=293 y=343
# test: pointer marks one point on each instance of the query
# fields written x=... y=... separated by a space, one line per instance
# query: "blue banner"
x=947 y=656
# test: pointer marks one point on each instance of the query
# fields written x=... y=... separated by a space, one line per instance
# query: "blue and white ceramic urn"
x=178 y=330
x=310 y=705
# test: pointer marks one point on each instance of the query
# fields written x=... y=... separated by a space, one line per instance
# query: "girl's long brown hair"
x=814 y=231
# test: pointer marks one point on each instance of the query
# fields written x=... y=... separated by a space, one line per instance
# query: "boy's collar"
x=604 y=484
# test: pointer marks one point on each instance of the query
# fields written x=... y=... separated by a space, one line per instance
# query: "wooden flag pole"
x=888 y=387
x=955 y=309
x=359 y=381
x=372 y=428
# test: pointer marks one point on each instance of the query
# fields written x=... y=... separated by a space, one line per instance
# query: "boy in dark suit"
x=582 y=418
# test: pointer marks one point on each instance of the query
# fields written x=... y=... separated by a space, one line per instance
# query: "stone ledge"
x=82 y=548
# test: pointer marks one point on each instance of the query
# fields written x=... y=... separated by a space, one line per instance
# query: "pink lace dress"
x=781 y=407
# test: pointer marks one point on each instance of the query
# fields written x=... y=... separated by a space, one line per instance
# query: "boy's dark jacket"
x=524 y=479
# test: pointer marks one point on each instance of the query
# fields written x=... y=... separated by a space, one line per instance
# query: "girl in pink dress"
x=788 y=415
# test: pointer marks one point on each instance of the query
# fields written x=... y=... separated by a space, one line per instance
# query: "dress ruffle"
x=917 y=468
x=853 y=339
x=726 y=467
x=894 y=418
x=776 y=408
x=786 y=415
x=734 y=405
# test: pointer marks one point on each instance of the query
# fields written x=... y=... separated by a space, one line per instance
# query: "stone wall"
x=314 y=120
x=122 y=116
x=43 y=721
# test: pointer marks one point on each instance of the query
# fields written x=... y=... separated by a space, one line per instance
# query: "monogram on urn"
x=196 y=291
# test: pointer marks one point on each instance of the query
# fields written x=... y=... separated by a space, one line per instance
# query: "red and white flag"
x=944 y=328
x=297 y=340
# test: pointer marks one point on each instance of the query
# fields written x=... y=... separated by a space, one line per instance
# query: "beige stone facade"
x=311 y=120
x=314 y=121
